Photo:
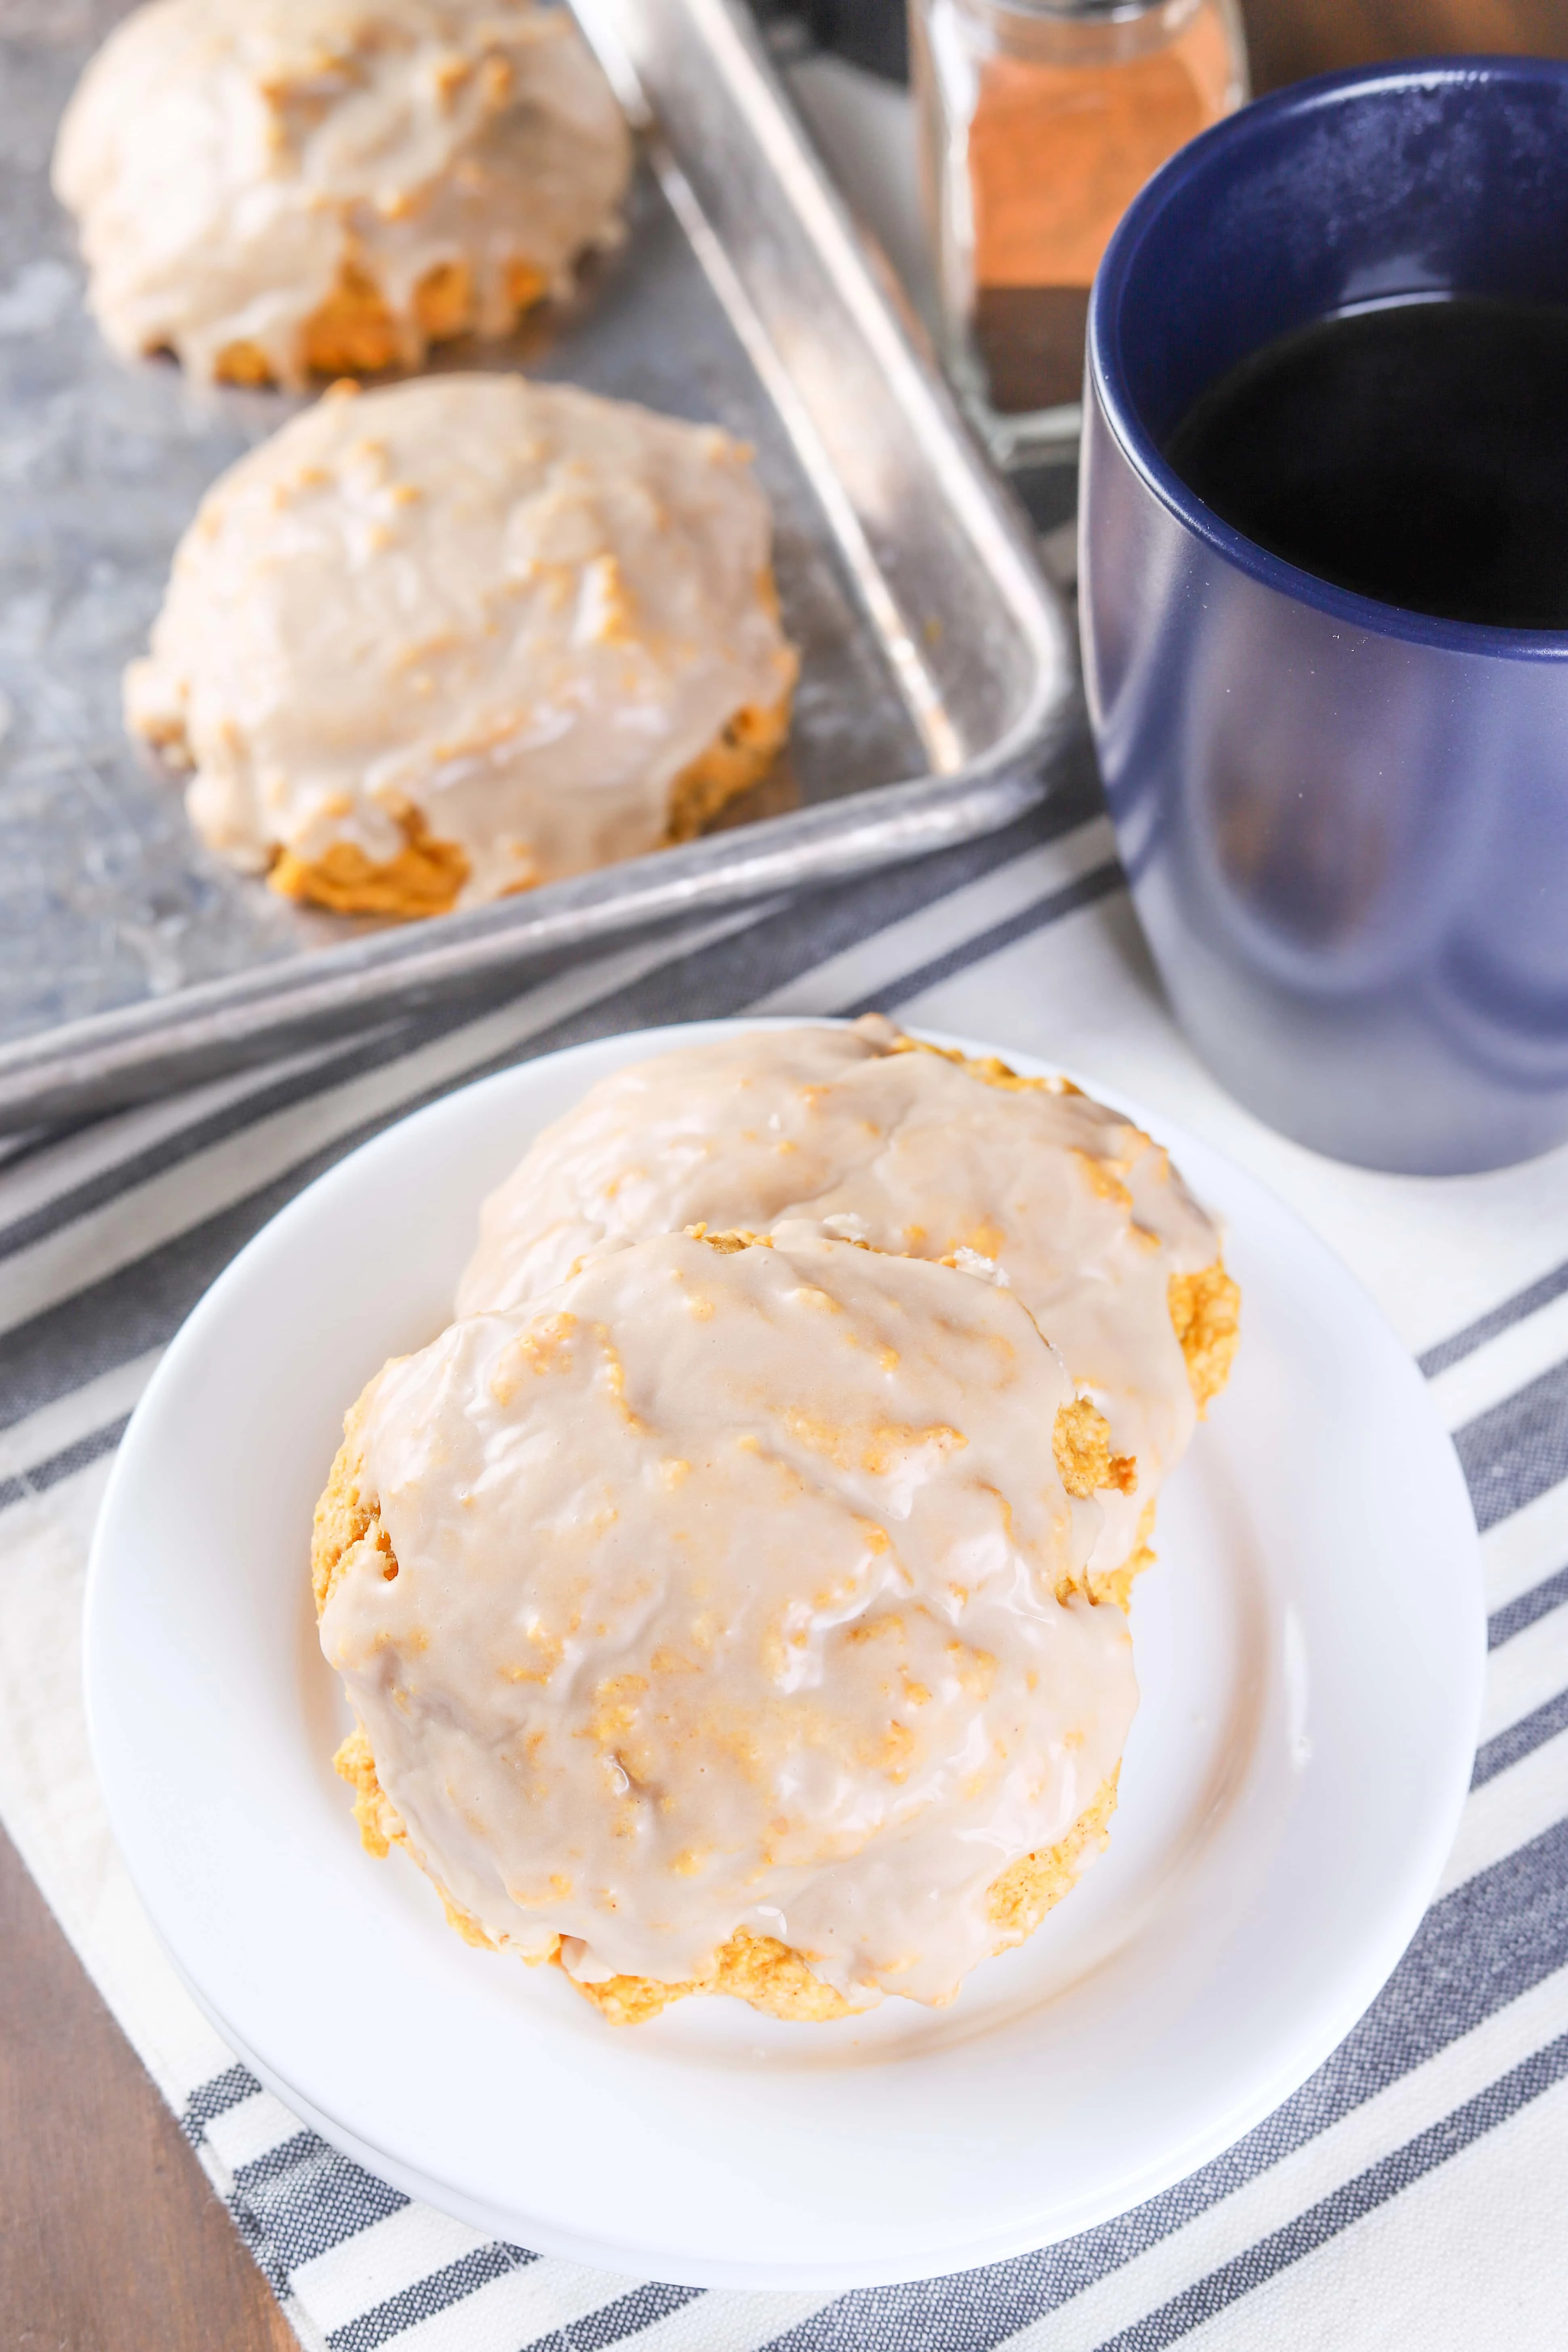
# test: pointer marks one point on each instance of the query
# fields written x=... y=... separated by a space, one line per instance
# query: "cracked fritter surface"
x=749 y=1551
x=868 y=1132
x=276 y=188
x=440 y=642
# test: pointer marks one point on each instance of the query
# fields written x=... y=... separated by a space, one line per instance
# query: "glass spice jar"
x=1039 y=121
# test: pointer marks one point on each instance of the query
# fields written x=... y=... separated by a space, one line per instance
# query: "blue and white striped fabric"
x=1409 y=2198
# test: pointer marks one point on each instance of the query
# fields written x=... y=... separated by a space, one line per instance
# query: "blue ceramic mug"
x=1345 y=824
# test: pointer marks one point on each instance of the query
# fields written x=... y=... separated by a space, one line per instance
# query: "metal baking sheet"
x=937 y=682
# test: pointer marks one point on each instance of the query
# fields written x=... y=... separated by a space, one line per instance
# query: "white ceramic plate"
x=1309 y=1649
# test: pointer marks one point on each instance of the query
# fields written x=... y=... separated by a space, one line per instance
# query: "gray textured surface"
x=105 y=897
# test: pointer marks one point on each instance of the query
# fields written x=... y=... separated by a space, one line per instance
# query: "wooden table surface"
x=110 y=2240
x=1290 y=39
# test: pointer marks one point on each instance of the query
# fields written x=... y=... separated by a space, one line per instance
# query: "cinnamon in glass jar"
x=1040 y=119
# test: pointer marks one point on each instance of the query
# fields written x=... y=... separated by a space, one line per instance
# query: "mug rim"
x=1109 y=384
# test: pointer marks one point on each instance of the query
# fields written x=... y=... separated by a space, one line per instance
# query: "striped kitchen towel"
x=1409 y=2198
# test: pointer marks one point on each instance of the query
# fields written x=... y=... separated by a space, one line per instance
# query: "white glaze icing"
x=514 y=607
x=1072 y=1204
x=726 y=1596
x=227 y=158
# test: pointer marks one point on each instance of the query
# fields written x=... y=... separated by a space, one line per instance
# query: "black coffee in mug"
x=1416 y=452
